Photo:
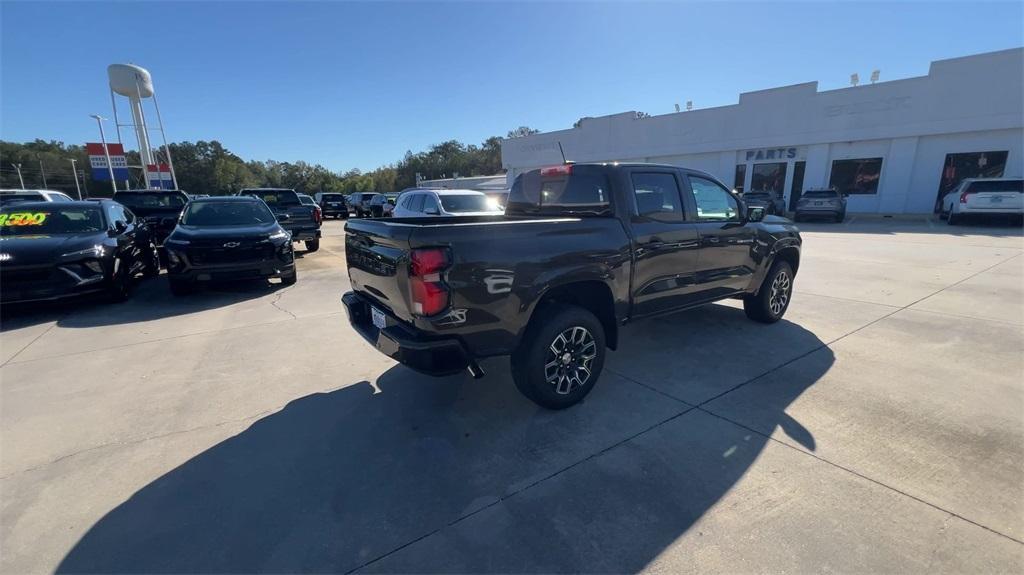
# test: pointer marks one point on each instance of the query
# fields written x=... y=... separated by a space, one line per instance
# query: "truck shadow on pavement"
x=347 y=479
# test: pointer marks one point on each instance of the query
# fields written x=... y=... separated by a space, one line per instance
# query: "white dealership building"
x=894 y=146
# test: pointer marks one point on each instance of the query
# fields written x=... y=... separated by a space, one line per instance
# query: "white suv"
x=11 y=196
x=422 y=202
x=994 y=196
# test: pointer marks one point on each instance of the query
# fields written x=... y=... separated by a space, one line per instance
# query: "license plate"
x=333 y=205
x=817 y=203
x=995 y=199
x=380 y=321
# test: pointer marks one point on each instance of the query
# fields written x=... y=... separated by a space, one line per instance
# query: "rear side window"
x=558 y=192
x=657 y=196
x=998 y=186
x=416 y=203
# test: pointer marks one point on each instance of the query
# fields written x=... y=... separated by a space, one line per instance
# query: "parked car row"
x=53 y=248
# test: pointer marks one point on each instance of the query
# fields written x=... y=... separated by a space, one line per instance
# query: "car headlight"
x=96 y=251
x=278 y=235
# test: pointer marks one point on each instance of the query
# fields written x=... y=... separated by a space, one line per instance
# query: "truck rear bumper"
x=406 y=345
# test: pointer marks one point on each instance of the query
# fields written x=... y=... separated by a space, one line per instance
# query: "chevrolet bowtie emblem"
x=232 y=245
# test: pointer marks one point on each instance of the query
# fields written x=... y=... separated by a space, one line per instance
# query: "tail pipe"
x=474 y=369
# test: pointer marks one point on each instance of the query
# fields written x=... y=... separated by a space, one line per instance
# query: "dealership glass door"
x=797 y=187
x=770 y=179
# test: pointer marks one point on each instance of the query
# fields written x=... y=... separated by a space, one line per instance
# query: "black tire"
x=583 y=355
x=152 y=268
x=840 y=218
x=312 y=245
x=290 y=279
x=181 y=287
x=120 y=287
x=772 y=300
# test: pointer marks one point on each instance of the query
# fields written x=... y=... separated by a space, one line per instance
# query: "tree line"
x=207 y=167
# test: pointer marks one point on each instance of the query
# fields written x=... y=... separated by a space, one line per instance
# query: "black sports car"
x=50 y=250
x=228 y=238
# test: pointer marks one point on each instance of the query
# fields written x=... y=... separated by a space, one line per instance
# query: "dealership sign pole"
x=106 y=154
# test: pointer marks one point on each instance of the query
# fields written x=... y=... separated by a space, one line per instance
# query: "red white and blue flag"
x=98 y=161
x=159 y=176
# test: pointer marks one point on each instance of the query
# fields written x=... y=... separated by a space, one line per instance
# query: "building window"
x=769 y=178
x=969 y=165
x=856 y=176
x=741 y=176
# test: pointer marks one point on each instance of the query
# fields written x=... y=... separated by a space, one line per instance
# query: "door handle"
x=653 y=244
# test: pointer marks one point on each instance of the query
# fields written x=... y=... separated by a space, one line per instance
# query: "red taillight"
x=429 y=294
x=318 y=215
x=563 y=170
x=963 y=197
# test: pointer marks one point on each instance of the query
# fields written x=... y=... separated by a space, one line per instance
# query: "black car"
x=159 y=208
x=580 y=250
x=228 y=238
x=51 y=250
x=767 y=200
x=332 y=205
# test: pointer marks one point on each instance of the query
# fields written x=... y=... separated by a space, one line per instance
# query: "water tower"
x=135 y=83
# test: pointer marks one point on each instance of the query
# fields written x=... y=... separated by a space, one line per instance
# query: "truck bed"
x=498 y=264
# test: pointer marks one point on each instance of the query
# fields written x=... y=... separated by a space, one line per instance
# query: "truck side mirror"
x=755 y=214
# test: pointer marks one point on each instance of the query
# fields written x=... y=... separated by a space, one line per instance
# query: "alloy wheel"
x=568 y=363
x=781 y=287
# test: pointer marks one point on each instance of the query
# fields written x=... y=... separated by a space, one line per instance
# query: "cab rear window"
x=568 y=191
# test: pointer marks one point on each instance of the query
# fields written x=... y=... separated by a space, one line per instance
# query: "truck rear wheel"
x=312 y=245
x=772 y=300
x=560 y=358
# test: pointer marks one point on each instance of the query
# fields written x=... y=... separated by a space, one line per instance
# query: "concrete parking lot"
x=879 y=427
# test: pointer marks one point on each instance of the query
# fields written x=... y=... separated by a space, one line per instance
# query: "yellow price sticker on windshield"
x=23 y=218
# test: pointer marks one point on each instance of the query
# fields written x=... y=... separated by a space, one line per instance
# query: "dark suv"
x=332 y=204
x=228 y=238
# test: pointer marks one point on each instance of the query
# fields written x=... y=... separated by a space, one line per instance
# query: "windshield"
x=307 y=200
x=277 y=198
x=225 y=213
x=51 y=221
x=468 y=203
x=151 y=199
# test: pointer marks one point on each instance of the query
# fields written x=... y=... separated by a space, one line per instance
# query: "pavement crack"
x=277 y=300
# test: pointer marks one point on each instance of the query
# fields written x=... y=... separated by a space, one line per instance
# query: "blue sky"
x=357 y=84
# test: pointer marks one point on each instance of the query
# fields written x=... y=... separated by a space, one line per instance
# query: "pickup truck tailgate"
x=377 y=258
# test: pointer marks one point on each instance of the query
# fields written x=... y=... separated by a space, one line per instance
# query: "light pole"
x=106 y=152
x=74 y=172
x=20 y=179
